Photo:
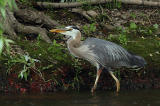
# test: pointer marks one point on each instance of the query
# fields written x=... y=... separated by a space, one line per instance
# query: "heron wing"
x=107 y=53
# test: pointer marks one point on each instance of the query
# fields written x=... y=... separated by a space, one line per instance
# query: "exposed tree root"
x=89 y=15
x=86 y=14
x=31 y=17
x=27 y=22
x=94 y=2
x=33 y=30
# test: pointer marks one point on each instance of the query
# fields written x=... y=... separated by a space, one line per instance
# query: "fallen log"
x=94 y=2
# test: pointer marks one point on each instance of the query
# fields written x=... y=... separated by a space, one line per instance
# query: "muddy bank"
x=134 y=28
x=129 y=81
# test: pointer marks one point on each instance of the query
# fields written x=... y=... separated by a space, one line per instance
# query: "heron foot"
x=92 y=90
x=96 y=81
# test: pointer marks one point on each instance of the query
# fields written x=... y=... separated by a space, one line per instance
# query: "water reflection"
x=101 y=98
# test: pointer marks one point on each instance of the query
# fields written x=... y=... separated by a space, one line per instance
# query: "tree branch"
x=94 y=2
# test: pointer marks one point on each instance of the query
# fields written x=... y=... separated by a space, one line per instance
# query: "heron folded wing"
x=107 y=53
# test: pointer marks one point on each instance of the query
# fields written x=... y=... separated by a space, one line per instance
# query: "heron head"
x=69 y=31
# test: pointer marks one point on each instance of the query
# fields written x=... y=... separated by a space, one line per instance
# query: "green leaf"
x=54 y=42
x=133 y=15
x=150 y=31
x=133 y=25
x=25 y=75
x=19 y=76
x=155 y=26
x=9 y=41
x=10 y=4
x=1 y=44
x=119 y=5
x=1 y=26
x=27 y=58
x=3 y=12
x=3 y=3
x=13 y=3
x=1 y=32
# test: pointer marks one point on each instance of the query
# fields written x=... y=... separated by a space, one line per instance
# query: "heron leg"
x=96 y=81
x=117 y=81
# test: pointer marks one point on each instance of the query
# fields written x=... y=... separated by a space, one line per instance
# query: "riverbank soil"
x=40 y=62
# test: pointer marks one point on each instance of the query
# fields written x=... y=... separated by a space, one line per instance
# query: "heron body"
x=101 y=53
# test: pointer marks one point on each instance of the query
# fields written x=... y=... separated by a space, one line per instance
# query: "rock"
x=118 y=24
x=92 y=13
x=81 y=12
x=108 y=27
x=124 y=17
x=87 y=14
x=118 y=14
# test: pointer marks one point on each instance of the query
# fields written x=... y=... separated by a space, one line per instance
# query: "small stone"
x=157 y=52
x=142 y=37
x=92 y=13
x=124 y=17
x=118 y=14
x=109 y=27
x=150 y=55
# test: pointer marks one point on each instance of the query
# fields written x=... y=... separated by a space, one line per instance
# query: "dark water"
x=104 y=98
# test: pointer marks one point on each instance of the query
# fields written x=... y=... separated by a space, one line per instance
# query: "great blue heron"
x=100 y=53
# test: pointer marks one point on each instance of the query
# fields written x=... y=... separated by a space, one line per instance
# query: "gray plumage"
x=109 y=54
x=101 y=53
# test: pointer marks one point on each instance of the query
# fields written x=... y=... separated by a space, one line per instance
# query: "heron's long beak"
x=58 y=30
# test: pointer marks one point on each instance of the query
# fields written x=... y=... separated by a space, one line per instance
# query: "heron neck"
x=73 y=44
x=76 y=42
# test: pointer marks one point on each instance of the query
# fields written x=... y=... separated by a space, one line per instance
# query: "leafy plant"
x=157 y=44
x=133 y=15
x=26 y=61
x=86 y=4
x=133 y=26
x=113 y=4
x=155 y=26
x=147 y=31
x=57 y=52
x=103 y=17
x=3 y=3
x=89 y=28
x=77 y=80
x=4 y=42
x=123 y=39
